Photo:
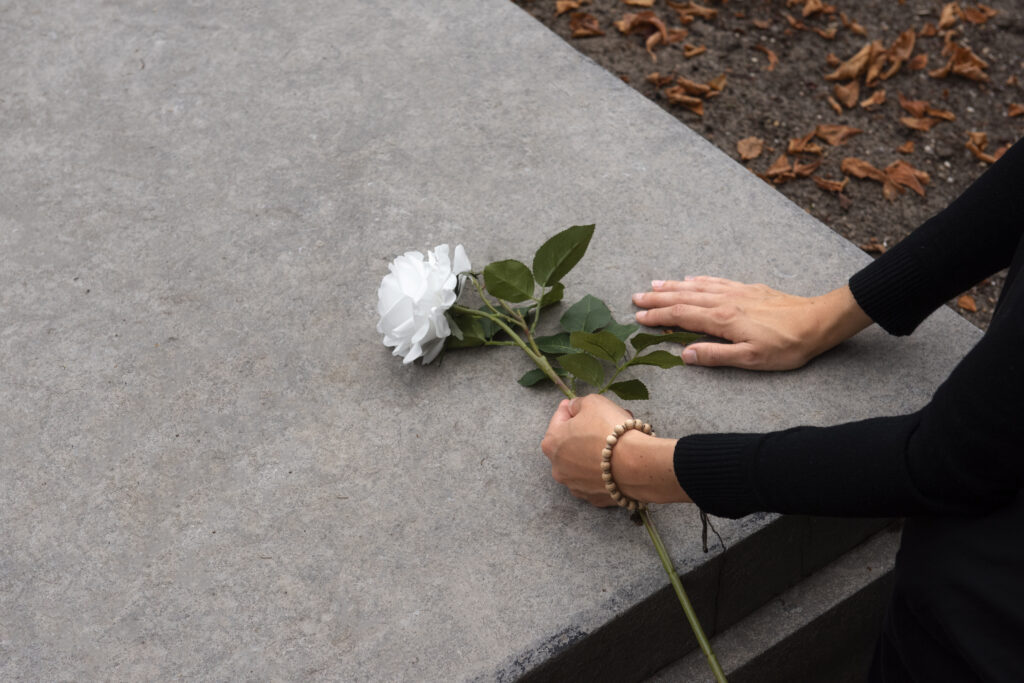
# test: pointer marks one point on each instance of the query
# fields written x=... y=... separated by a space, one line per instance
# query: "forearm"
x=643 y=469
x=838 y=318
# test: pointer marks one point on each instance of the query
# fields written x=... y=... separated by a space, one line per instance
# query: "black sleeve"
x=963 y=453
x=971 y=239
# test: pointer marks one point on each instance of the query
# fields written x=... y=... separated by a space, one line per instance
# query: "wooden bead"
x=619 y=430
x=628 y=424
x=610 y=485
x=611 y=440
x=631 y=506
x=606 y=453
x=606 y=466
x=607 y=476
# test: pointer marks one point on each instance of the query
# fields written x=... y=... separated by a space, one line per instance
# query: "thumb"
x=715 y=354
x=575 y=406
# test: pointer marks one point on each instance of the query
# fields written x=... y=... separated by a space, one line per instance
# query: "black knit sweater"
x=957 y=461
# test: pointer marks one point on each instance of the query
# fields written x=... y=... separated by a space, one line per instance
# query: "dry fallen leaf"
x=918 y=62
x=854 y=66
x=978 y=14
x=928 y=30
x=847 y=94
x=812 y=7
x=830 y=185
x=563 y=6
x=906 y=148
x=950 y=13
x=640 y=3
x=804 y=145
x=912 y=107
x=1015 y=109
x=941 y=114
x=964 y=63
x=826 y=33
x=794 y=22
x=750 y=148
x=876 y=100
x=922 y=123
x=676 y=35
x=835 y=134
x=859 y=168
x=645 y=21
x=781 y=170
x=677 y=95
x=902 y=174
x=832 y=61
x=873 y=246
x=688 y=11
x=803 y=169
x=853 y=25
x=772 y=57
x=660 y=81
x=762 y=24
x=584 y=25
x=690 y=51
x=977 y=141
x=966 y=302
x=717 y=84
x=692 y=87
x=836 y=107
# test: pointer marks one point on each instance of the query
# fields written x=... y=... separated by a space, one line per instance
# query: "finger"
x=575 y=406
x=740 y=355
x=665 y=299
x=690 y=282
x=693 y=318
x=561 y=415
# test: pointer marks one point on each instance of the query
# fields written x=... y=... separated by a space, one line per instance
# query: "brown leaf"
x=854 y=66
x=688 y=11
x=1001 y=151
x=690 y=51
x=966 y=302
x=803 y=169
x=941 y=114
x=763 y=24
x=878 y=60
x=1015 y=109
x=563 y=6
x=812 y=7
x=948 y=16
x=676 y=35
x=876 y=100
x=717 y=84
x=693 y=88
x=750 y=148
x=832 y=61
x=873 y=246
x=804 y=145
x=912 y=107
x=928 y=30
x=964 y=63
x=640 y=3
x=977 y=141
x=584 y=25
x=847 y=94
x=781 y=170
x=978 y=138
x=646 y=21
x=830 y=185
x=835 y=133
x=660 y=81
x=772 y=57
x=852 y=25
x=903 y=46
x=906 y=148
x=859 y=168
x=918 y=61
x=836 y=107
x=826 y=33
x=979 y=14
x=922 y=123
x=794 y=22
x=902 y=174
x=677 y=95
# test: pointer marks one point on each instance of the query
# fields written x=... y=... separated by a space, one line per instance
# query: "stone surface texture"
x=212 y=468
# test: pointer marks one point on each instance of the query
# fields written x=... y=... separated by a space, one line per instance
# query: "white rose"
x=413 y=298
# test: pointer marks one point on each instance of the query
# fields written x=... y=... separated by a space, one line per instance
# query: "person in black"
x=954 y=468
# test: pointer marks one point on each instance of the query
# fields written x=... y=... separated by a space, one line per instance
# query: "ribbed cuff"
x=888 y=288
x=714 y=470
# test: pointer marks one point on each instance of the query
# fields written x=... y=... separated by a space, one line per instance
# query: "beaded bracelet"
x=606 y=463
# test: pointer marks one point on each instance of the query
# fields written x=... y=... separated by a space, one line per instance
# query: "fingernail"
x=689 y=277
x=639 y=296
x=689 y=356
x=640 y=315
x=657 y=284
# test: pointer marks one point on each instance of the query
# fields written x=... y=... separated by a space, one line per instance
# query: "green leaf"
x=589 y=314
x=553 y=296
x=621 y=331
x=509 y=280
x=488 y=326
x=472 y=334
x=558 y=255
x=603 y=345
x=631 y=390
x=537 y=376
x=556 y=344
x=587 y=368
x=663 y=359
x=642 y=341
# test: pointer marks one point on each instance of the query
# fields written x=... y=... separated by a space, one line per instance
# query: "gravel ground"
x=775 y=61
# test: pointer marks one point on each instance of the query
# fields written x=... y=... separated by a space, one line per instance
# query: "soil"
x=789 y=100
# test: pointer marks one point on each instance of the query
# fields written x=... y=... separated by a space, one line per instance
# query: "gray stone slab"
x=212 y=468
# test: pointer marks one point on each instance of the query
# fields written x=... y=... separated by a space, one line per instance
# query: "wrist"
x=643 y=469
x=841 y=318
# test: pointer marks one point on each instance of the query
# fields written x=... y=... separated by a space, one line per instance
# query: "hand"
x=770 y=330
x=642 y=465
